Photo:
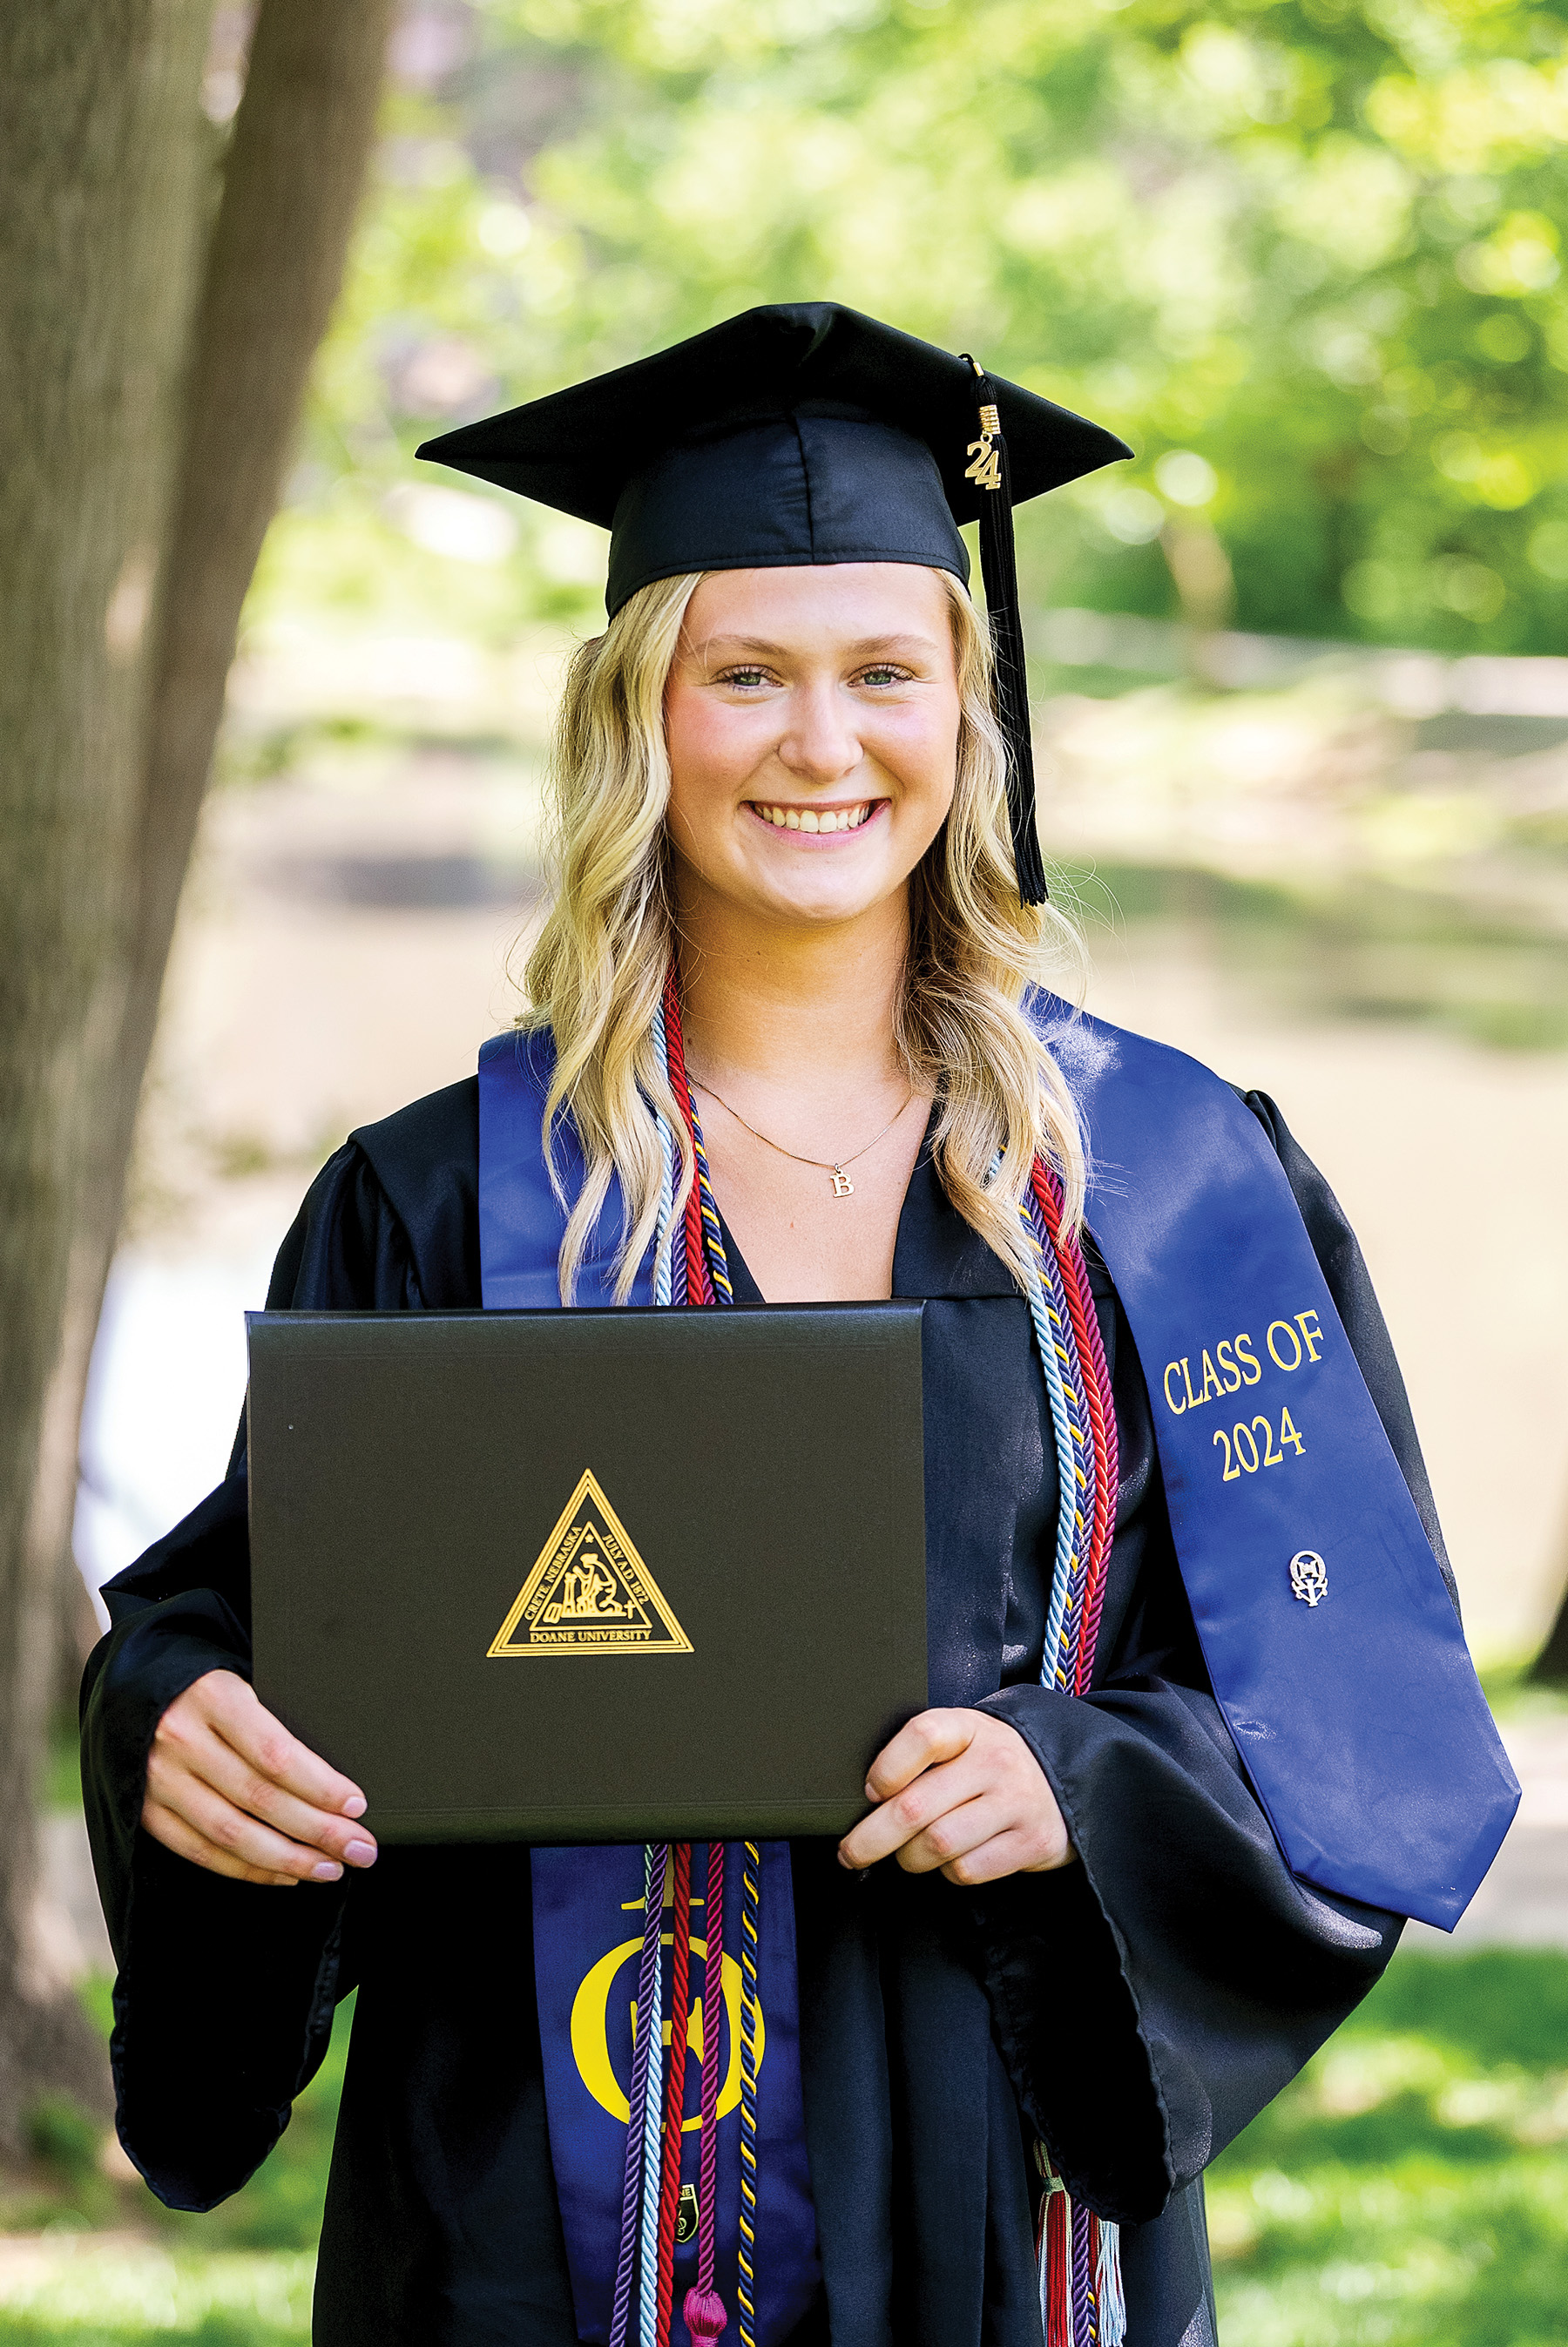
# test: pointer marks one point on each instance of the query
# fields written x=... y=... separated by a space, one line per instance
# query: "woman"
x=787 y=1041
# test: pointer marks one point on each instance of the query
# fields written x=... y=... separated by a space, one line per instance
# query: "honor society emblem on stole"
x=589 y=1591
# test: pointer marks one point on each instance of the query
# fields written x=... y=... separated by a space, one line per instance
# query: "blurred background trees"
x=1305 y=254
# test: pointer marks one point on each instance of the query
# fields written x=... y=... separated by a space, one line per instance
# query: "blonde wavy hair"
x=596 y=975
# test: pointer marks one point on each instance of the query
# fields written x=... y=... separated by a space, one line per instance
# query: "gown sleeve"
x=225 y=1990
x=1149 y=2000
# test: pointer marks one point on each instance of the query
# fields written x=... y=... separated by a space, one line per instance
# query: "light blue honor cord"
x=1067 y=1481
x=662 y=1243
x=648 y=2292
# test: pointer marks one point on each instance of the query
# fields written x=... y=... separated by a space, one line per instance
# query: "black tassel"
x=999 y=567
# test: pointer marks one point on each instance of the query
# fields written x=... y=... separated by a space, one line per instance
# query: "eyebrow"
x=729 y=645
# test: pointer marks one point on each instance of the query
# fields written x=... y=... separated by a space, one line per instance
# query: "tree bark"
x=127 y=539
x=103 y=152
x=1549 y=1667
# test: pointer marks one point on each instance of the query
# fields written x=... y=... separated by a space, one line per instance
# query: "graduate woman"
x=1202 y=1727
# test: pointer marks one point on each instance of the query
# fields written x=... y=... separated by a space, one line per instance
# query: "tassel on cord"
x=1112 y=2304
x=1080 y=2298
x=1056 y=2268
x=999 y=567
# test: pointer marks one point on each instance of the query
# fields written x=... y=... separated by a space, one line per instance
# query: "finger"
x=948 y=1837
x=218 y=1821
x=237 y=1713
x=1003 y=1854
x=185 y=1842
x=924 y=1741
x=217 y=1765
x=898 y=1820
x=1019 y=1849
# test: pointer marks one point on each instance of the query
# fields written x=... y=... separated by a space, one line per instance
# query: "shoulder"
x=424 y=1161
x=425 y=1149
x=1092 y=1053
x=392 y=1220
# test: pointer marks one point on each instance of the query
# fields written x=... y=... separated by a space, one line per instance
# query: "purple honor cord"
x=704 y=2309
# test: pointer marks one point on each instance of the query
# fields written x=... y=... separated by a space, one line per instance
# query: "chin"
x=821 y=907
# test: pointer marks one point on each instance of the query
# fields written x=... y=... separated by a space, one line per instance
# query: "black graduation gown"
x=1137 y=2007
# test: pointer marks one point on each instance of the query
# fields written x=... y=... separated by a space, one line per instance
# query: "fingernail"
x=354 y=1806
x=326 y=1872
x=360 y=1853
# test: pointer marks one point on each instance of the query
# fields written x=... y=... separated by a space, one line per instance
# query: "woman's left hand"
x=960 y=1792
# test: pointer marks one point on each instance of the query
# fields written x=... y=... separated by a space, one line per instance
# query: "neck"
x=812 y=1008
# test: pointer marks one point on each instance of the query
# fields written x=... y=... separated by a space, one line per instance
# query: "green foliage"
x=1311 y=244
x=65 y=2137
x=60 y=1782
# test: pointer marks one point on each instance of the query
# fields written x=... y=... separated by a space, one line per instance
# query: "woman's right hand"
x=231 y=1790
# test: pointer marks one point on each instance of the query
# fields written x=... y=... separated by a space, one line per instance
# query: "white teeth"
x=815 y=819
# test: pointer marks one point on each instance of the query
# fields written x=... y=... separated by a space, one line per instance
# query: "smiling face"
x=811 y=719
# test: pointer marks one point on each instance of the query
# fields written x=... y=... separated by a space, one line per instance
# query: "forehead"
x=837 y=602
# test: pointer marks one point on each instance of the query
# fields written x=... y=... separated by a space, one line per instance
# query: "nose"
x=820 y=744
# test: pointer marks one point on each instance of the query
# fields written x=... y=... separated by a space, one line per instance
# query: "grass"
x=96 y=2261
x=1410 y=2191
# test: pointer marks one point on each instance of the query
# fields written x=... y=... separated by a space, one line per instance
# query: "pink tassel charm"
x=706 y=2316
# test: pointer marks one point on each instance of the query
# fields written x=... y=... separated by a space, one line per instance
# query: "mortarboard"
x=798 y=434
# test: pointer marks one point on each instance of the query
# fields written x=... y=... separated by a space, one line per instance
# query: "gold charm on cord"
x=985 y=472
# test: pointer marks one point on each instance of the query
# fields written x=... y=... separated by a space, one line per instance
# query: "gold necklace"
x=842 y=1187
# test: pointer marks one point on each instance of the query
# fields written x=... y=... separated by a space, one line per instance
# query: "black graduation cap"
x=803 y=432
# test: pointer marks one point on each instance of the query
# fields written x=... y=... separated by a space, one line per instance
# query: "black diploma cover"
x=591 y=1576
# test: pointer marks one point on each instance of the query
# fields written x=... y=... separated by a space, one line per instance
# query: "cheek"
x=920 y=746
x=711 y=747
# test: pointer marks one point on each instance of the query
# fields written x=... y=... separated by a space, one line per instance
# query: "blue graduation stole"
x=588 y=1903
x=1331 y=1641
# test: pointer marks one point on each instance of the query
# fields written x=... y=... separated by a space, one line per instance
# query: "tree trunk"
x=1549 y=1667
x=101 y=150
x=103 y=153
